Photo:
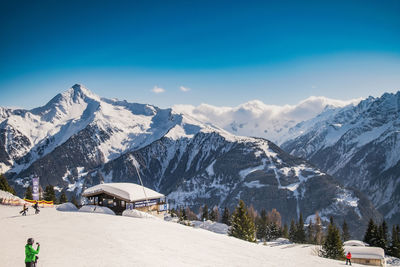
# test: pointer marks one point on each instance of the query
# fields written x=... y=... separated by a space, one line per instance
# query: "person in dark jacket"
x=30 y=253
x=348 y=258
x=36 y=207
x=24 y=210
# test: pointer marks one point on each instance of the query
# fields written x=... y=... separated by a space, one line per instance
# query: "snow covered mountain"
x=255 y=118
x=360 y=146
x=78 y=140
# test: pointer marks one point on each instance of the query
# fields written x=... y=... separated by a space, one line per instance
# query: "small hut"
x=363 y=254
x=121 y=196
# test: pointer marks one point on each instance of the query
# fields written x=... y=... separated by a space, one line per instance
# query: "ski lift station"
x=121 y=196
x=363 y=254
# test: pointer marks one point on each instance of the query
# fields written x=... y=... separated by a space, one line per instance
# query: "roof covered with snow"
x=126 y=191
x=365 y=252
x=355 y=243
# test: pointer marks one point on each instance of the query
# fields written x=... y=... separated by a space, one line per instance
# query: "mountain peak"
x=80 y=90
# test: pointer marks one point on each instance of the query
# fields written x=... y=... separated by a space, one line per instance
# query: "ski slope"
x=86 y=239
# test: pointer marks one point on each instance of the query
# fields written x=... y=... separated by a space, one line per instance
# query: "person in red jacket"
x=348 y=258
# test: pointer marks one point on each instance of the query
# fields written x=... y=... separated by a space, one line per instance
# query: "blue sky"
x=226 y=52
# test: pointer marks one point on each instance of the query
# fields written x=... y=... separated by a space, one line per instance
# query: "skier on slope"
x=24 y=210
x=36 y=207
x=30 y=253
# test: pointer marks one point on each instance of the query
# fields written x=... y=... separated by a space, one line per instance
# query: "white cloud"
x=158 y=90
x=254 y=118
x=184 y=89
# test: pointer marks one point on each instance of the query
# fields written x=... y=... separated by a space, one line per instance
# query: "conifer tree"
x=293 y=232
x=205 y=215
x=333 y=247
x=285 y=231
x=300 y=235
x=394 y=249
x=382 y=240
x=371 y=235
x=4 y=186
x=225 y=217
x=183 y=214
x=63 y=198
x=49 y=194
x=28 y=193
x=261 y=225
x=345 y=232
x=242 y=224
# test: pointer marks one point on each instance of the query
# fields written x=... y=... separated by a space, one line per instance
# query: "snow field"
x=87 y=239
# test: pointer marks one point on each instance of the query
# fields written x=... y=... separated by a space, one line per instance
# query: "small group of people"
x=25 y=209
x=31 y=257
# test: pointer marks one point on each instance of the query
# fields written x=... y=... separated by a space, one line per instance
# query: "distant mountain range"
x=79 y=139
x=360 y=146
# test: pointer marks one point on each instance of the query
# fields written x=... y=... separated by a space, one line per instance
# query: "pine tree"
x=345 y=232
x=371 y=235
x=225 y=217
x=183 y=214
x=4 y=186
x=285 y=231
x=394 y=249
x=28 y=193
x=318 y=229
x=261 y=225
x=301 y=234
x=333 y=246
x=205 y=216
x=63 y=198
x=242 y=224
x=49 y=194
x=382 y=240
x=293 y=232
x=273 y=231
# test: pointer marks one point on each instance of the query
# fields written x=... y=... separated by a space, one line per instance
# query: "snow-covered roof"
x=355 y=243
x=126 y=191
x=365 y=252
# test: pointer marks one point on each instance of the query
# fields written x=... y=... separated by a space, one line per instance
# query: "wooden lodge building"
x=121 y=196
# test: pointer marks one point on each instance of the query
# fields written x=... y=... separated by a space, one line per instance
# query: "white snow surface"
x=87 y=239
x=96 y=209
x=216 y=227
x=67 y=207
x=137 y=214
x=127 y=191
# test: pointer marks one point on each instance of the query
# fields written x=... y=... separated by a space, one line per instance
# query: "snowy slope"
x=83 y=239
x=358 y=145
x=255 y=118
